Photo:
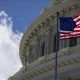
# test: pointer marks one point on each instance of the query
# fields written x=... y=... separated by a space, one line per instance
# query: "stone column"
x=38 y=47
x=48 y=40
x=24 y=59
x=30 y=54
x=27 y=56
x=46 y=43
x=42 y=46
x=35 y=50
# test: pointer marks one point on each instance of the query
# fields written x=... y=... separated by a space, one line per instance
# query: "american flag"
x=69 y=27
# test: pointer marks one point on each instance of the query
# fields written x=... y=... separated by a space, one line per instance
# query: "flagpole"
x=57 y=47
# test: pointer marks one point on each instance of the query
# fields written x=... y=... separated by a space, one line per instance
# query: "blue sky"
x=23 y=12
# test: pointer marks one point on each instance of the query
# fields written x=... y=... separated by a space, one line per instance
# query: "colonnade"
x=45 y=42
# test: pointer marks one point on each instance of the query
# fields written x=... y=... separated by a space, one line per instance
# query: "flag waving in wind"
x=69 y=27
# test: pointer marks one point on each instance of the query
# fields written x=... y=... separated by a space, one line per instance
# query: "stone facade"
x=37 y=47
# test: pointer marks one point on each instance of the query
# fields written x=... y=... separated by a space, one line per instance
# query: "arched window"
x=42 y=48
x=54 y=43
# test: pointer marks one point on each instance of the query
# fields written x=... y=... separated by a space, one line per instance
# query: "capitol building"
x=38 y=46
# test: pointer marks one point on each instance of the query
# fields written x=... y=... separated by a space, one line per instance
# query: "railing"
x=69 y=51
x=64 y=53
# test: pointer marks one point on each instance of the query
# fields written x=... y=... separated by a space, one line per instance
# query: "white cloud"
x=9 y=47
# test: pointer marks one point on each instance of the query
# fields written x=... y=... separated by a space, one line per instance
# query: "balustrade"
x=66 y=52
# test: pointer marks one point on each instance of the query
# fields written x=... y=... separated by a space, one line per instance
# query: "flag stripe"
x=77 y=18
x=74 y=32
x=77 y=23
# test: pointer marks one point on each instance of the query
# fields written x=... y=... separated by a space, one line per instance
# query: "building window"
x=68 y=42
x=54 y=43
x=61 y=44
x=42 y=48
x=78 y=41
x=64 y=43
x=72 y=42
